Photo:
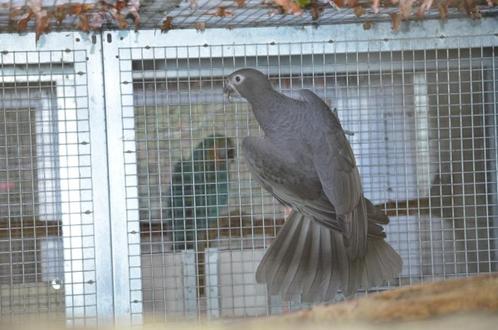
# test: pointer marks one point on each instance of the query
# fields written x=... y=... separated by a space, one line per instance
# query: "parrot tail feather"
x=310 y=259
x=356 y=230
x=381 y=263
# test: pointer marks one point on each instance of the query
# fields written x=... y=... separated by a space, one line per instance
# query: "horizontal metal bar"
x=429 y=34
x=304 y=66
x=23 y=49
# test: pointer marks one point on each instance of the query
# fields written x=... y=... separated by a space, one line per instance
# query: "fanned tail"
x=356 y=230
x=310 y=259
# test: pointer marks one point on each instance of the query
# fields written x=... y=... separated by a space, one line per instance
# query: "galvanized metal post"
x=125 y=227
x=100 y=181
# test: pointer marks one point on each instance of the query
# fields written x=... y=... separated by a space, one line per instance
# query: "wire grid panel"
x=47 y=209
x=423 y=112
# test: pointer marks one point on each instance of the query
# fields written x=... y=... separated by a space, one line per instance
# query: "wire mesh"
x=425 y=132
x=46 y=222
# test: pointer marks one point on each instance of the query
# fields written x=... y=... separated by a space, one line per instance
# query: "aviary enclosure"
x=123 y=191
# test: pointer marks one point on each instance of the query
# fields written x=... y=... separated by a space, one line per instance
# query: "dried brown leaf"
x=59 y=14
x=119 y=5
x=167 y=24
x=367 y=25
x=133 y=10
x=476 y=13
x=351 y=3
x=42 y=23
x=375 y=6
x=221 y=11
x=395 y=21
x=472 y=9
x=424 y=7
x=79 y=8
x=121 y=21
x=14 y=13
x=200 y=26
x=41 y=17
x=315 y=10
x=336 y=3
x=22 y=24
x=443 y=9
x=359 y=11
x=405 y=8
x=83 y=23
x=240 y=3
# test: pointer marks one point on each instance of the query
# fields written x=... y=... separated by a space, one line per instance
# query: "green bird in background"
x=199 y=191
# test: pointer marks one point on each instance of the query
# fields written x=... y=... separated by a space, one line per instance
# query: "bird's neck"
x=271 y=117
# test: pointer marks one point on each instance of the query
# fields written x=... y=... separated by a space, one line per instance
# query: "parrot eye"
x=237 y=78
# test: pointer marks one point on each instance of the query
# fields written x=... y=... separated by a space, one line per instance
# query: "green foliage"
x=303 y=3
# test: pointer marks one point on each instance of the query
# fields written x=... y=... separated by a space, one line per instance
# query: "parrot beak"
x=228 y=89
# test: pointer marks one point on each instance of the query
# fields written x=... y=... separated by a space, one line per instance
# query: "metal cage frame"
x=22 y=49
x=109 y=73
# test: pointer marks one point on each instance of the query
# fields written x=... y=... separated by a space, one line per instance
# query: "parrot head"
x=216 y=148
x=245 y=83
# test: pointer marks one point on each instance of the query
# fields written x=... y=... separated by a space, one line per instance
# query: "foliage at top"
x=123 y=14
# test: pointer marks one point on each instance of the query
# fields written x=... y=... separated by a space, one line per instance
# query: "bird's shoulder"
x=308 y=96
x=324 y=117
x=327 y=128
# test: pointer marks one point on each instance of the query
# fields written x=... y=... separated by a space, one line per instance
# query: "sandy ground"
x=467 y=304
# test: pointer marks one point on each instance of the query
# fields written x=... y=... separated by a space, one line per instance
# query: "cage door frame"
x=60 y=48
x=222 y=43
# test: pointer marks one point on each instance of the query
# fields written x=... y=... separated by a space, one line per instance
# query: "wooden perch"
x=405 y=207
x=29 y=228
x=236 y=224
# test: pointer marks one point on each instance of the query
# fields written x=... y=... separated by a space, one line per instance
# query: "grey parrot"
x=333 y=239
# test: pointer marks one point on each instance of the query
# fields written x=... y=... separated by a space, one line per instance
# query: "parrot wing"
x=335 y=165
x=332 y=156
x=284 y=179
